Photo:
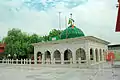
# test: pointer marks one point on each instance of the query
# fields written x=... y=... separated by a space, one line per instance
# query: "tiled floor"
x=98 y=72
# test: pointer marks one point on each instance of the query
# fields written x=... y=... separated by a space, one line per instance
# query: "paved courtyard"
x=98 y=72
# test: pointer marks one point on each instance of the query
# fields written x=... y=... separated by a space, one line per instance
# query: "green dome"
x=71 y=33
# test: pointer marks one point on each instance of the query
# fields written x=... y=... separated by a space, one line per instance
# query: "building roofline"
x=71 y=39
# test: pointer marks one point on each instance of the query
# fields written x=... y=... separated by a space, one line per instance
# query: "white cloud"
x=97 y=18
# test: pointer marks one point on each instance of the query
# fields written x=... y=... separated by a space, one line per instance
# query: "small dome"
x=71 y=32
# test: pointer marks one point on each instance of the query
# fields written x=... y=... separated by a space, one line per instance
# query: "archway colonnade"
x=58 y=57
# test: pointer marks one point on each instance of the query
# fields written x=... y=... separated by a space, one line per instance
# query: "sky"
x=94 y=17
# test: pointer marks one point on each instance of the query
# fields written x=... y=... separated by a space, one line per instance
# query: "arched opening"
x=67 y=55
x=57 y=57
x=80 y=53
x=47 y=57
x=39 y=57
x=96 y=53
x=91 y=54
x=100 y=55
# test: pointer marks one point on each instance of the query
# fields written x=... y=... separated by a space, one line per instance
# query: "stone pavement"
x=97 y=72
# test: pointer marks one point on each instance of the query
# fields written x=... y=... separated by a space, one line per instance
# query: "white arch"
x=80 y=53
x=47 y=55
x=68 y=55
x=57 y=56
x=91 y=54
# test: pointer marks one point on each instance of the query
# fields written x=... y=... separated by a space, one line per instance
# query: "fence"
x=29 y=61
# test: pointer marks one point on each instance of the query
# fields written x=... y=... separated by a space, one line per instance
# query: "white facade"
x=89 y=49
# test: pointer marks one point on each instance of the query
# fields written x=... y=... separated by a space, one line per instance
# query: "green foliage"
x=54 y=33
x=45 y=38
x=35 y=38
x=19 y=43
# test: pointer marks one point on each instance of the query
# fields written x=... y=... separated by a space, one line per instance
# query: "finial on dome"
x=71 y=21
x=70 y=15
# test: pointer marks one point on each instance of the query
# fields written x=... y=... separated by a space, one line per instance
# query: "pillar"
x=43 y=58
x=74 y=57
x=94 y=56
x=52 y=58
x=62 y=58
x=88 y=56
x=35 y=57
x=103 y=56
x=98 y=55
x=87 y=51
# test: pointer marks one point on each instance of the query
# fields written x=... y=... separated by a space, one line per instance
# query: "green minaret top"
x=72 y=31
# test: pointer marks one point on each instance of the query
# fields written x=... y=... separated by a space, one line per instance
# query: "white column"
x=62 y=58
x=88 y=55
x=94 y=56
x=87 y=51
x=52 y=58
x=98 y=55
x=74 y=57
x=43 y=58
x=35 y=57
x=102 y=56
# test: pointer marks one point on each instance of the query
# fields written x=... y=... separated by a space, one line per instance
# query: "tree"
x=54 y=33
x=45 y=38
x=19 y=43
x=35 y=38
